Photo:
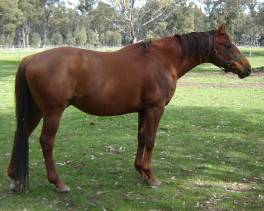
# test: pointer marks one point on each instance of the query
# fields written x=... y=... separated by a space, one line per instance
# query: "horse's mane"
x=196 y=44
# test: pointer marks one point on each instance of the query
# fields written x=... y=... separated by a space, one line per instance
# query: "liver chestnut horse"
x=138 y=78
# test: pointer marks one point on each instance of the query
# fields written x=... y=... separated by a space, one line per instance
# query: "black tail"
x=20 y=148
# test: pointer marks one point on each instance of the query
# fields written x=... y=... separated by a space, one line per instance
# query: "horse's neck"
x=187 y=65
x=195 y=50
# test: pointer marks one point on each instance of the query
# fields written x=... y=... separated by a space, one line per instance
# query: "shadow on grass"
x=95 y=158
x=220 y=137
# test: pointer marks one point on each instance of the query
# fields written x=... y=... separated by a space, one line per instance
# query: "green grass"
x=209 y=151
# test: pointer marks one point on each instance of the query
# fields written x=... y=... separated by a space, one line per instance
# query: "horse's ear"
x=221 y=30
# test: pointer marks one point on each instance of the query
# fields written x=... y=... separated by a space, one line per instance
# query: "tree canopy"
x=40 y=23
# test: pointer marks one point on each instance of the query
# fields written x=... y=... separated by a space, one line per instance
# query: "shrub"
x=70 y=40
x=56 y=39
x=81 y=37
x=112 y=38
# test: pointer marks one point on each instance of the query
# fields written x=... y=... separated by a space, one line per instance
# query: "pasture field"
x=208 y=154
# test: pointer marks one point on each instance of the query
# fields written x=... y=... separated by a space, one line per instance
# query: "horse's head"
x=227 y=56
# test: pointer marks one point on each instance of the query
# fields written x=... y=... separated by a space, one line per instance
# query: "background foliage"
x=39 y=23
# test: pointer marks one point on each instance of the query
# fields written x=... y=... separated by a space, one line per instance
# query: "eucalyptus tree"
x=101 y=19
x=132 y=16
x=48 y=6
x=9 y=19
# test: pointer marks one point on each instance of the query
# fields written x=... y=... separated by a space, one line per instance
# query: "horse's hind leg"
x=33 y=122
x=148 y=125
x=47 y=140
x=141 y=145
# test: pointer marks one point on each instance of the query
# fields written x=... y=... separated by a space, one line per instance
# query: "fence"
x=16 y=54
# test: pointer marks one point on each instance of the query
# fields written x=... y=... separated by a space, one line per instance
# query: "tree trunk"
x=45 y=29
x=134 y=40
x=27 y=40
x=23 y=37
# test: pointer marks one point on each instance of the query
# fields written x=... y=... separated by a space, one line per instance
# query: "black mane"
x=197 y=44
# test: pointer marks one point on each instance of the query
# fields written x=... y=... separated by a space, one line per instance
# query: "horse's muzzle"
x=245 y=73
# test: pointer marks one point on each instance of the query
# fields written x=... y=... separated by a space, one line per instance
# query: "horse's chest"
x=170 y=92
x=160 y=90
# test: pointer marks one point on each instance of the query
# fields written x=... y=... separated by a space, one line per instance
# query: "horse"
x=140 y=78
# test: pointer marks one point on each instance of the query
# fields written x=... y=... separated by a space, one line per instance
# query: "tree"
x=259 y=19
x=159 y=30
x=9 y=19
x=102 y=18
x=22 y=20
x=31 y=11
x=199 y=18
x=35 y=40
x=112 y=38
x=81 y=37
x=126 y=17
x=57 y=39
x=130 y=19
x=152 y=22
x=70 y=40
x=86 y=6
x=2 y=40
x=242 y=27
x=251 y=5
x=48 y=7
x=183 y=18
x=93 y=38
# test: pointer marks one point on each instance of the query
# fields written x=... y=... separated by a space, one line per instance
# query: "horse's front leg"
x=148 y=125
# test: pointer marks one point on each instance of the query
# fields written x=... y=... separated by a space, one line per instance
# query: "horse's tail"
x=21 y=148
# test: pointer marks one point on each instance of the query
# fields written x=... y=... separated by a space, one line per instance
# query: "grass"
x=209 y=151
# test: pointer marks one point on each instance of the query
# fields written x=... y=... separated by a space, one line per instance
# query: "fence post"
x=250 y=51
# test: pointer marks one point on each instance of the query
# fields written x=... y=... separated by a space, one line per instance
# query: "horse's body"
x=138 y=78
x=112 y=83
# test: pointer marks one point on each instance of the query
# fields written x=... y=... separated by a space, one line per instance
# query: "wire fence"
x=255 y=54
x=17 y=53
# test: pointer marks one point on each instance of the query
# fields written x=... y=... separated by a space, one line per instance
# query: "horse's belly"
x=99 y=106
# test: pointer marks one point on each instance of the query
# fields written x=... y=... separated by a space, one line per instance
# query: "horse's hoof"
x=64 y=189
x=154 y=182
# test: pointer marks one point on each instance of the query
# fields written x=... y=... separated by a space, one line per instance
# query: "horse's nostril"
x=247 y=70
